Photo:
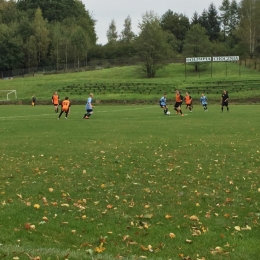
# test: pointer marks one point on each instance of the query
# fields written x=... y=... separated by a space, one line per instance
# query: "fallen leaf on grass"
x=237 y=228
x=194 y=218
x=172 y=235
x=99 y=249
x=36 y=206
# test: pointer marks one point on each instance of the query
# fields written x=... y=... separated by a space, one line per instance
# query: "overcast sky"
x=103 y=11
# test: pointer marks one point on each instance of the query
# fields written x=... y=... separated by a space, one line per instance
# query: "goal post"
x=6 y=95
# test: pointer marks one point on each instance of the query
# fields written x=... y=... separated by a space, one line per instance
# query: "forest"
x=37 y=33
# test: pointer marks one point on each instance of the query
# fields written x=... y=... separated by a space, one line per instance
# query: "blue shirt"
x=203 y=100
x=163 y=101
x=89 y=105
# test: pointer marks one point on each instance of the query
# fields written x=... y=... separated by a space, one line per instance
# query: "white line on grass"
x=104 y=111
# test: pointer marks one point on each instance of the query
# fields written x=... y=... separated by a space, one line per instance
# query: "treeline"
x=37 y=33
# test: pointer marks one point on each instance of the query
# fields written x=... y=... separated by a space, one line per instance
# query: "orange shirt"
x=55 y=99
x=178 y=98
x=65 y=105
x=188 y=99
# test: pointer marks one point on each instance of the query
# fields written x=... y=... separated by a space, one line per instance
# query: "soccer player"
x=89 y=107
x=55 y=101
x=33 y=100
x=163 y=105
x=188 y=101
x=177 y=106
x=224 y=100
x=204 y=102
x=65 y=107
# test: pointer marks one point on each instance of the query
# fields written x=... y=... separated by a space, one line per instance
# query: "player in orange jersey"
x=177 y=106
x=65 y=107
x=188 y=101
x=55 y=101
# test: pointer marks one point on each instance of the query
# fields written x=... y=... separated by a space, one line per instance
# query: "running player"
x=89 y=107
x=163 y=105
x=65 y=107
x=188 y=101
x=204 y=102
x=55 y=101
x=177 y=106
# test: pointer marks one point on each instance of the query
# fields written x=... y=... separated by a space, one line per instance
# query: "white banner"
x=198 y=59
x=208 y=59
x=226 y=58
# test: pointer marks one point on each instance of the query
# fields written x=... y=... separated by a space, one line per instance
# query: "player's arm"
x=227 y=98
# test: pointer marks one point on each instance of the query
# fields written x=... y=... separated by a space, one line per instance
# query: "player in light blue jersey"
x=162 y=104
x=204 y=102
x=89 y=107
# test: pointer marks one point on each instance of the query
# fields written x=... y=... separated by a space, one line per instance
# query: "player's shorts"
x=177 y=104
x=163 y=106
x=89 y=110
x=55 y=104
x=224 y=104
x=65 y=109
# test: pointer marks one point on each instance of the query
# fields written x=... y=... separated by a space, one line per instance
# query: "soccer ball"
x=168 y=113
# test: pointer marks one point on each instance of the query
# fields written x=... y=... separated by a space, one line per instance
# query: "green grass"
x=127 y=178
x=167 y=79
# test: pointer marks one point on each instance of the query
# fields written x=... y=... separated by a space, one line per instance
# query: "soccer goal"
x=6 y=95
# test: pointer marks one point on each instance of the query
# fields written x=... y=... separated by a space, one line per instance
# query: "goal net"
x=6 y=95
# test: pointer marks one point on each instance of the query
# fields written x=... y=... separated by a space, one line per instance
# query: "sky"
x=103 y=11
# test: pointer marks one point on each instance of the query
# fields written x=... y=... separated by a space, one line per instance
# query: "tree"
x=177 y=24
x=249 y=25
x=203 y=20
x=152 y=44
x=111 y=32
x=225 y=17
x=31 y=52
x=127 y=34
x=41 y=34
x=195 y=18
x=79 y=41
x=53 y=10
x=213 y=22
x=234 y=16
x=10 y=47
x=197 y=43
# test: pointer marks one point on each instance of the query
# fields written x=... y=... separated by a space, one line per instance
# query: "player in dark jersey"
x=224 y=101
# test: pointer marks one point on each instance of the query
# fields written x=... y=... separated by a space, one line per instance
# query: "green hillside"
x=127 y=84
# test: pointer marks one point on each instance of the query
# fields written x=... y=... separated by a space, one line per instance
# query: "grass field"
x=130 y=183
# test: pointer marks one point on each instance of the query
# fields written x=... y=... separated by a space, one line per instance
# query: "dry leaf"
x=237 y=228
x=36 y=206
x=172 y=235
x=194 y=218
x=144 y=248
x=168 y=216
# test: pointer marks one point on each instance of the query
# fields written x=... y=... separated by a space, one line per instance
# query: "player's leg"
x=61 y=112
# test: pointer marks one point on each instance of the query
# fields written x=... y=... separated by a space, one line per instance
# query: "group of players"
x=65 y=106
x=179 y=99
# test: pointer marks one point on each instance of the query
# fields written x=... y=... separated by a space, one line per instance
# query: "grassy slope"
x=174 y=74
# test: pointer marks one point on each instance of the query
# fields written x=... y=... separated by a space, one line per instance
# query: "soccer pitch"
x=129 y=183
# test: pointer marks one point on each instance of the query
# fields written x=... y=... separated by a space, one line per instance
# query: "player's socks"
x=228 y=109
x=181 y=112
